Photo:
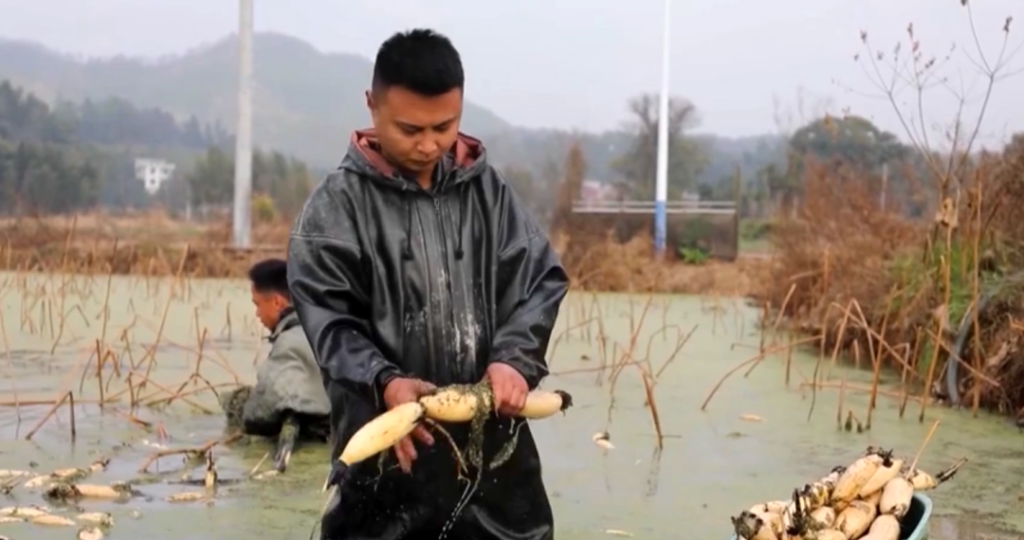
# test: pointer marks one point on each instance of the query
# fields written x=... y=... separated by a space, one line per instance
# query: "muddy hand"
x=397 y=392
x=509 y=388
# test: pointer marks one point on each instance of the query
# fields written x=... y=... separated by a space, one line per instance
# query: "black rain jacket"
x=393 y=280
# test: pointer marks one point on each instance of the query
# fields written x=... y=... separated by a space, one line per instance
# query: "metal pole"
x=241 y=221
x=885 y=186
x=661 y=180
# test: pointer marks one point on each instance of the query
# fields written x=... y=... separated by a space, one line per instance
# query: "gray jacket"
x=287 y=382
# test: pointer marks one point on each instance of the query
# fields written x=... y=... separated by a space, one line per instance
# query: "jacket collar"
x=286 y=320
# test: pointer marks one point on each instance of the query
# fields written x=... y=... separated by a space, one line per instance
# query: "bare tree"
x=638 y=165
x=908 y=68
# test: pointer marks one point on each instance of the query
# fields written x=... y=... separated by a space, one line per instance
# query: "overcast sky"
x=574 y=63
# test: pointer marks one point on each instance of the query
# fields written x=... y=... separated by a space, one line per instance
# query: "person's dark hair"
x=270 y=276
x=420 y=60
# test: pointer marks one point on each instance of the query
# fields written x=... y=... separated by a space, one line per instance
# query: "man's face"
x=268 y=307
x=414 y=131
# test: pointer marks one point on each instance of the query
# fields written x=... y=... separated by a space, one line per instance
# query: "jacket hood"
x=466 y=160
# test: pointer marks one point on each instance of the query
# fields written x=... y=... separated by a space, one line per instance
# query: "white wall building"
x=153 y=173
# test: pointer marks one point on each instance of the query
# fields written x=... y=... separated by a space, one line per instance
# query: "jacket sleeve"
x=531 y=284
x=330 y=297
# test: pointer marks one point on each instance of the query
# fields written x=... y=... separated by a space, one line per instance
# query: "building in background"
x=153 y=173
x=595 y=190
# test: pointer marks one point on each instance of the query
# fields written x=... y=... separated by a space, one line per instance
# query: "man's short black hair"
x=419 y=60
x=270 y=276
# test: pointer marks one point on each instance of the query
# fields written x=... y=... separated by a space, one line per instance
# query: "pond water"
x=713 y=463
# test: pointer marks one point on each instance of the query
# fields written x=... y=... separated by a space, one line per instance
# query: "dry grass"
x=153 y=245
x=148 y=244
x=599 y=263
x=914 y=296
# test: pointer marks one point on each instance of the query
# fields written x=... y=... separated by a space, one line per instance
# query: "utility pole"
x=241 y=223
x=661 y=178
x=885 y=186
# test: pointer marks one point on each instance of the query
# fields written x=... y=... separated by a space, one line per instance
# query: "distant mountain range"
x=306 y=102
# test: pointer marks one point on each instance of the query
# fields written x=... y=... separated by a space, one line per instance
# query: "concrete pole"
x=661 y=179
x=241 y=228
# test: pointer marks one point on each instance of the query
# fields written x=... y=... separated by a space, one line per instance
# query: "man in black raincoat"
x=415 y=265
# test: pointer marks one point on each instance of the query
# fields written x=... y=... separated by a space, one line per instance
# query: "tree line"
x=762 y=174
x=75 y=157
x=78 y=157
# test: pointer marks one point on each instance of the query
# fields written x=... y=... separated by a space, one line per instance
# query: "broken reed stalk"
x=789 y=355
x=850 y=387
x=765 y=310
x=817 y=366
x=10 y=363
x=775 y=327
x=49 y=413
x=876 y=363
x=150 y=356
x=839 y=407
x=754 y=359
x=975 y=289
x=602 y=339
x=100 y=359
x=195 y=376
x=675 y=352
x=201 y=450
x=564 y=334
x=105 y=313
x=597 y=369
x=71 y=411
x=936 y=339
x=861 y=323
x=924 y=443
x=63 y=286
x=227 y=324
x=653 y=405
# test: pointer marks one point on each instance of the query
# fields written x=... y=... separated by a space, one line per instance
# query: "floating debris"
x=70 y=474
x=24 y=511
x=188 y=496
x=69 y=491
x=751 y=418
x=266 y=474
x=51 y=521
x=602 y=440
x=210 y=478
x=90 y=533
x=103 y=519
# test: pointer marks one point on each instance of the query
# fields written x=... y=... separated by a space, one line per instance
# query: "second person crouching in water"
x=288 y=401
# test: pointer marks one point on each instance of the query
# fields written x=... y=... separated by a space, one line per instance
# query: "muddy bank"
x=711 y=464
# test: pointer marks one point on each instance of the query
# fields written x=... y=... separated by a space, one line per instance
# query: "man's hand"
x=509 y=388
x=397 y=392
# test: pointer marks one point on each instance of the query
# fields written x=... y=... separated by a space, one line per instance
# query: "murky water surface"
x=712 y=465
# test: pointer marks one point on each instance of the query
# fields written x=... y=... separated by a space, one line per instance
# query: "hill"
x=305 y=101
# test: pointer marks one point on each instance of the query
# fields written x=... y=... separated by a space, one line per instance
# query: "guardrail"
x=720 y=208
